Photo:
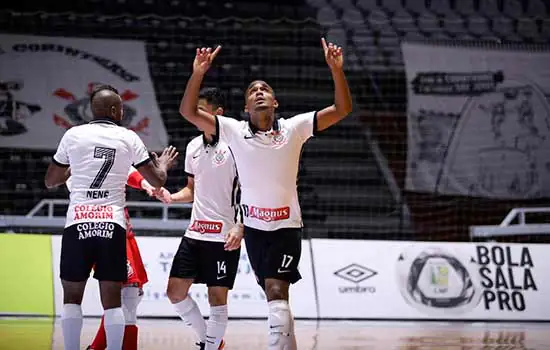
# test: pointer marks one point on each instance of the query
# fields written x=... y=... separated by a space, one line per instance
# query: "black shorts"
x=274 y=254
x=206 y=262
x=101 y=245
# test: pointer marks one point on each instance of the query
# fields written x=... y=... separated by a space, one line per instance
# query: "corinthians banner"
x=478 y=121
x=45 y=84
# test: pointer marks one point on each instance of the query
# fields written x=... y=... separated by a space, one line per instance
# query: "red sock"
x=130 y=338
x=100 y=341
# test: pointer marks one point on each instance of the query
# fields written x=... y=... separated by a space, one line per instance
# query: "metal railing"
x=508 y=228
x=35 y=220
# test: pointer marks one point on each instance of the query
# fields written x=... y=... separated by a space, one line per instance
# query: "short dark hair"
x=213 y=96
x=101 y=87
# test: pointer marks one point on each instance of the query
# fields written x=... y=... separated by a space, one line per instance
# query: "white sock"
x=114 y=328
x=71 y=323
x=130 y=301
x=189 y=312
x=215 y=327
x=280 y=326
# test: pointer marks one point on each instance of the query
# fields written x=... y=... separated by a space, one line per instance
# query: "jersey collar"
x=254 y=129
x=215 y=139
x=103 y=120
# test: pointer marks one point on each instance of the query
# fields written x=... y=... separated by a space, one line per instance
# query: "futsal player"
x=210 y=249
x=99 y=155
x=132 y=291
x=267 y=154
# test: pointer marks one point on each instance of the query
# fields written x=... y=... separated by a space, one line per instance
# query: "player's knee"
x=276 y=289
x=217 y=296
x=177 y=290
x=111 y=294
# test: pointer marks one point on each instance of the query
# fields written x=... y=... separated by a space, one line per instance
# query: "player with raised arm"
x=267 y=154
x=210 y=250
x=99 y=155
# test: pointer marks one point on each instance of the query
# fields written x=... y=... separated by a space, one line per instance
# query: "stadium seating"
x=343 y=189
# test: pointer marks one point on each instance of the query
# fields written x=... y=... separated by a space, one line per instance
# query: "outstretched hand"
x=167 y=158
x=163 y=195
x=204 y=58
x=333 y=55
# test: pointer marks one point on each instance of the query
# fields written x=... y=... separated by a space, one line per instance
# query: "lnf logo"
x=435 y=281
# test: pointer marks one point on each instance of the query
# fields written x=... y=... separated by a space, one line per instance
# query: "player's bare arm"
x=185 y=195
x=155 y=170
x=56 y=175
x=342 y=97
x=189 y=103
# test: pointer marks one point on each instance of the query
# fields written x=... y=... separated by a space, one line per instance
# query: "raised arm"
x=56 y=175
x=155 y=170
x=189 y=103
x=342 y=97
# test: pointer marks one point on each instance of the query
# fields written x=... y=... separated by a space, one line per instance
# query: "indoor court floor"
x=170 y=334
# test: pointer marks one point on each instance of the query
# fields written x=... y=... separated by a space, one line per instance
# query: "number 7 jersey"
x=100 y=155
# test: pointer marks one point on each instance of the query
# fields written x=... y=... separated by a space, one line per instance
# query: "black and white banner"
x=478 y=121
x=45 y=84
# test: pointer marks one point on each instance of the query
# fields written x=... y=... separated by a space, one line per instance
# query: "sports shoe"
x=202 y=345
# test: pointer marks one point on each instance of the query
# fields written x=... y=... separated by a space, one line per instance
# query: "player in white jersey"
x=99 y=155
x=267 y=153
x=210 y=250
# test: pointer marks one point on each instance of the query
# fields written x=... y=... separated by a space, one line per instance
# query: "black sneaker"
x=200 y=345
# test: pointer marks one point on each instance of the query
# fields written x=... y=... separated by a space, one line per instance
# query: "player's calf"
x=185 y=306
x=71 y=318
x=113 y=314
x=217 y=322
x=280 y=320
x=130 y=301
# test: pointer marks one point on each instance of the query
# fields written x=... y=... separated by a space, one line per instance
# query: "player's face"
x=203 y=105
x=260 y=97
x=117 y=112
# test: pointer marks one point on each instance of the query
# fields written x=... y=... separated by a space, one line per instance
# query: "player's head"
x=105 y=102
x=260 y=97
x=212 y=100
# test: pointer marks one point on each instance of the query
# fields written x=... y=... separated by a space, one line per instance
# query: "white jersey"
x=267 y=162
x=100 y=155
x=216 y=184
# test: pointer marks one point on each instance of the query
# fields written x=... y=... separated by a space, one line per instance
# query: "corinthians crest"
x=220 y=156
x=78 y=110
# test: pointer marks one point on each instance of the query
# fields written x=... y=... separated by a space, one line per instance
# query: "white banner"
x=245 y=300
x=420 y=280
x=478 y=121
x=45 y=85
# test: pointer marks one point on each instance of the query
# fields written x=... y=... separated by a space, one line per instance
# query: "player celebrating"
x=210 y=250
x=99 y=155
x=137 y=276
x=267 y=154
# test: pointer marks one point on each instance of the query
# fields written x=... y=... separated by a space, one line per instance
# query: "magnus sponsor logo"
x=95 y=229
x=266 y=214
x=203 y=227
